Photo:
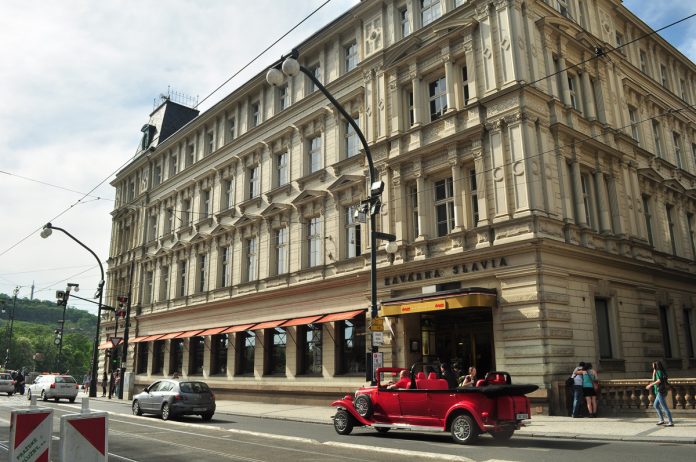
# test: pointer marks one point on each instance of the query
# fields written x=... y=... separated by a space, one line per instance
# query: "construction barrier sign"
x=84 y=437
x=30 y=435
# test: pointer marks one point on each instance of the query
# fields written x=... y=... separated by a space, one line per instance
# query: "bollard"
x=84 y=437
x=30 y=434
x=32 y=402
x=85 y=406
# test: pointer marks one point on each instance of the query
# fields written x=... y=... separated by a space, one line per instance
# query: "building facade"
x=540 y=167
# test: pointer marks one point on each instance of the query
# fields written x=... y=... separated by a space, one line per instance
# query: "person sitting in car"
x=403 y=382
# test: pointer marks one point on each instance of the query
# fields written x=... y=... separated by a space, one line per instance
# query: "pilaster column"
x=422 y=204
x=398 y=118
x=604 y=213
x=581 y=212
x=481 y=184
x=449 y=84
x=617 y=217
x=417 y=98
x=564 y=80
x=590 y=109
x=471 y=69
x=457 y=188
x=498 y=170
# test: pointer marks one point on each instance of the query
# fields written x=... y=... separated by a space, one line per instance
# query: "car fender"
x=469 y=409
x=348 y=406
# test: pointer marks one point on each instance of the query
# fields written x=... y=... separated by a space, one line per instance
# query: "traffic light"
x=120 y=312
x=62 y=297
x=59 y=336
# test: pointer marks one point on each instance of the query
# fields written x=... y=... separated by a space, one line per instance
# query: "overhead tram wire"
x=52 y=185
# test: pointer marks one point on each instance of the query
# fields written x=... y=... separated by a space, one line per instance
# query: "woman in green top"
x=659 y=384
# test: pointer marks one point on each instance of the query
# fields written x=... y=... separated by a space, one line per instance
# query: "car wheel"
x=9 y=393
x=43 y=396
x=382 y=429
x=136 y=408
x=166 y=412
x=28 y=395
x=343 y=422
x=55 y=399
x=464 y=429
x=207 y=416
x=503 y=435
x=363 y=406
x=72 y=400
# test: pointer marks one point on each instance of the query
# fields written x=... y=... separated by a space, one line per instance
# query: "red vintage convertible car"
x=494 y=405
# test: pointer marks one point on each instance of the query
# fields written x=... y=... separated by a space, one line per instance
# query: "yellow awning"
x=422 y=305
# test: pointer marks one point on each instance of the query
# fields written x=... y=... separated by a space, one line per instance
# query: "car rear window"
x=194 y=387
x=65 y=379
x=5 y=377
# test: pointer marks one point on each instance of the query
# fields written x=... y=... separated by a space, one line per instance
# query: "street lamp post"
x=47 y=230
x=60 y=332
x=290 y=66
x=12 y=316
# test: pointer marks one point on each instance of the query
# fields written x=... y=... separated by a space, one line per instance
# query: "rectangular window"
x=255 y=114
x=670 y=224
x=413 y=201
x=314 y=242
x=603 y=328
x=164 y=283
x=664 y=326
x=147 y=287
x=619 y=41
x=352 y=141
x=225 y=267
x=409 y=105
x=176 y=355
x=691 y=228
x=182 y=278
x=157 y=174
x=218 y=354
x=152 y=231
x=437 y=91
x=190 y=154
x=251 y=254
x=210 y=142
x=202 y=272
x=689 y=333
x=143 y=351
x=643 y=61
x=573 y=91
x=587 y=199
x=157 y=356
x=351 y=56
x=474 y=197
x=315 y=70
x=677 y=149
x=196 y=350
x=281 y=250
x=351 y=345
x=282 y=170
x=246 y=347
x=405 y=22
x=283 y=97
x=444 y=206
x=131 y=190
x=205 y=204
x=186 y=212
x=169 y=221
x=173 y=164
x=430 y=11
x=277 y=340
x=310 y=339
x=658 y=139
x=254 y=182
x=465 y=84
x=231 y=129
x=693 y=154
x=633 y=117
x=682 y=87
x=352 y=234
x=314 y=154
x=228 y=191
x=663 y=75
x=648 y=218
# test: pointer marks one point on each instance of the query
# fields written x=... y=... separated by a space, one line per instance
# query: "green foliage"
x=33 y=336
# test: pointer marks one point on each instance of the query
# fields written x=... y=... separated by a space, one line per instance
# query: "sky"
x=78 y=80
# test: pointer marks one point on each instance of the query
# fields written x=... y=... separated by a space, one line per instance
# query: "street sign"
x=84 y=437
x=377 y=325
x=115 y=341
x=377 y=338
x=30 y=435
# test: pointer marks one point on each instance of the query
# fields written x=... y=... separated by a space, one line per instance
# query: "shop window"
x=351 y=345
x=176 y=355
x=444 y=206
x=310 y=338
x=143 y=351
x=218 y=355
x=196 y=350
x=276 y=341
x=246 y=346
x=604 y=329
x=158 y=357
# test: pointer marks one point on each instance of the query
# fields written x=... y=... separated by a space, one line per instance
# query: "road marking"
x=402 y=452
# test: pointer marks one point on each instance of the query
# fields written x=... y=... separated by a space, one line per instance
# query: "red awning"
x=171 y=335
x=105 y=345
x=189 y=334
x=239 y=328
x=341 y=316
x=137 y=339
x=213 y=331
x=269 y=324
x=152 y=337
x=302 y=321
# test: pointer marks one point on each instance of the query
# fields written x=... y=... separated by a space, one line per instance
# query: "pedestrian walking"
x=577 y=389
x=660 y=386
x=104 y=383
x=112 y=383
x=588 y=389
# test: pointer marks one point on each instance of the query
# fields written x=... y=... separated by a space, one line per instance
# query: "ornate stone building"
x=540 y=163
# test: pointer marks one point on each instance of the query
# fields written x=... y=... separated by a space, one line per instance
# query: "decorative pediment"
x=160 y=252
x=275 y=209
x=308 y=196
x=650 y=173
x=454 y=22
x=246 y=220
x=344 y=182
x=675 y=185
x=219 y=229
x=405 y=48
x=179 y=245
x=197 y=237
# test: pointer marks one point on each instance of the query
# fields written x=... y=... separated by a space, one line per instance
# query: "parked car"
x=54 y=386
x=494 y=405
x=7 y=383
x=171 y=398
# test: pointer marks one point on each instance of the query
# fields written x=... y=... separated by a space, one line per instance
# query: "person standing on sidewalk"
x=588 y=390
x=104 y=383
x=577 y=389
x=659 y=384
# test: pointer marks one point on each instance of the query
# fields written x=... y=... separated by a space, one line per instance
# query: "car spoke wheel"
x=343 y=422
x=136 y=408
x=363 y=406
x=464 y=429
x=166 y=413
x=503 y=435
x=43 y=396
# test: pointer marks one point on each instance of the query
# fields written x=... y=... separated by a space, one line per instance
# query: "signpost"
x=30 y=435
x=84 y=437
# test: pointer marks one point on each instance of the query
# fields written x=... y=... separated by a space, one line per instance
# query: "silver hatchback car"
x=7 y=383
x=172 y=398
x=54 y=386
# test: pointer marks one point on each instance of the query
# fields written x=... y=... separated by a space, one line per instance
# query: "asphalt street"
x=243 y=438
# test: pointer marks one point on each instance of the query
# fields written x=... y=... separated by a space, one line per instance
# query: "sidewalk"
x=602 y=428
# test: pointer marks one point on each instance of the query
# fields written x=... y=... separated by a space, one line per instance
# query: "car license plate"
x=522 y=416
x=199 y=409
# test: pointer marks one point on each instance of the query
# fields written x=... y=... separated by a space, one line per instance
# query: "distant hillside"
x=47 y=312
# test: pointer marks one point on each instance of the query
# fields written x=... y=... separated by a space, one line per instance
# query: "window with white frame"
x=225 y=266
x=231 y=129
x=473 y=197
x=282 y=250
x=444 y=206
x=255 y=114
x=437 y=92
x=314 y=242
x=413 y=202
x=604 y=328
x=405 y=22
x=254 y=181
x=643 y=58
x=314 y=154
x=169 y=220
x=430 y=11
x=205 y=204
x=210 y=142
x=352 y=141
x=633 y=117
x=691 y=229
x=164 y=283
x=283 y=97
x=147 y=287
x=183 y=278
x=282 y=170
x=157 y=174
x=663 y=75
x=315 y=70
x=586 y=184
x=465 y=84
x=202 y=272
x=352 y=233
x=669 y=210
x=186 y=212
x=350 y=53
x=648 y=218
x=573 y=91
x=190 y=154
x=677 y=149
x=251 y=254
x=658 y=139
x=173 y=164
x=228 y=194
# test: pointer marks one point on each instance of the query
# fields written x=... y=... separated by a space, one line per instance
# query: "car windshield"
x=194 y=387
x=5 y=377
x=65 y=379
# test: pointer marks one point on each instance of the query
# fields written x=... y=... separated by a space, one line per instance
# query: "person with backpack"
x=660 y=384
x=588 y=390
